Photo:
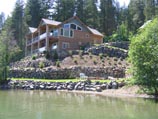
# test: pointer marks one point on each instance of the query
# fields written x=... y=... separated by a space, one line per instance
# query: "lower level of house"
x=49 y=42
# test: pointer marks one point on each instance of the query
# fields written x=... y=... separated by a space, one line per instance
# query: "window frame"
x=65 y=45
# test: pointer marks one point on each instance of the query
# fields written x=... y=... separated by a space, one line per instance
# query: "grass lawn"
x=56 y=80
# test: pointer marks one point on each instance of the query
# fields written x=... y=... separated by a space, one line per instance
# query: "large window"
x=68 y=30
x=62 y=32
x=75 y=27
x=65 y=45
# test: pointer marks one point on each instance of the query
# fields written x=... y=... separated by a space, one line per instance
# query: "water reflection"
x=67 y=105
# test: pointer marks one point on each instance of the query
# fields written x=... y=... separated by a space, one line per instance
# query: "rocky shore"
x=69 y=85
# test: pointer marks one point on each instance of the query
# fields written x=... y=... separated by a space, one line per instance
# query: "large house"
x=71 y=34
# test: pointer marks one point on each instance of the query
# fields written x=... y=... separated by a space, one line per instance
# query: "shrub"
x=41 y=65
x=75 y=61
x=90 y=55
x=57 y=63
x=80 y=53
x=101 y=55
x=143 y=54
x=55 y=55
x=70 y=54
x=115 y=59
x=33 y=57
x=94 y=61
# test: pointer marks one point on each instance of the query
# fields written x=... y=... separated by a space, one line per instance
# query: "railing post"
x=47 y=38
x=38 y=39
x=26 y=47
x=32 y=45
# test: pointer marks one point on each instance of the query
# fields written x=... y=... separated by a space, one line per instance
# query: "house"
x=60 y=36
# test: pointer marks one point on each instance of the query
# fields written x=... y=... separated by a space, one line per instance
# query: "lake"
x=21 y=104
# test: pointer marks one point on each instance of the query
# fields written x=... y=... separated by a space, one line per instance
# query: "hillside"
x=96 y=61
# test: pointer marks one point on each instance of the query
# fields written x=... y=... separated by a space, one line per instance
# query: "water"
x=61 y=105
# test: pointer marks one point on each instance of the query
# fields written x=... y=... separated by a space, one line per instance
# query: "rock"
x=114 y=85
x=41 y=87
x=98 y=89
x=103 y=86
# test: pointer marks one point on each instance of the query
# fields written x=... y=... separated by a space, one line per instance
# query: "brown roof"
x=32 y=29
x=95 y=32
x=51 y=22
x=57 y=23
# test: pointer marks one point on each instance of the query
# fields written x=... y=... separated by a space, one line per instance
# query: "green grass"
x=57 y=80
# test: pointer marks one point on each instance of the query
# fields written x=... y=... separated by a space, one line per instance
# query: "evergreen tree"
x=63 y=10
x=2 y=18
x=36 y=10
x=91 y=14
x=18 y=25
x=107 y=15
x=136 y=14
x=8 y=49
x=80 y=6
x=149 y=10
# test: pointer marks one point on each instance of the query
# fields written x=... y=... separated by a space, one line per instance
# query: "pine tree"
x=91 y=16
x=63 y=10
x=107 y=15
x=17 y=23
x=2 y=19
x=8 y=49
x=149 y=10
x=136 y=14
x=36 y=10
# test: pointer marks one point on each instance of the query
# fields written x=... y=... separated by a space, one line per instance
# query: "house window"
x=65 y=45
x=66 y=32
x=66 y=26
x=73 y=26
x=55 y=32
x=71 y=33
x=62 y=32
x=79 y=28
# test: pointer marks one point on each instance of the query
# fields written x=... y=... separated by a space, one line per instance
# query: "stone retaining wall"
x=65 y=73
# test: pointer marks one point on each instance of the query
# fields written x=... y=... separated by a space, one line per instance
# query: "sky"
x=7 y=6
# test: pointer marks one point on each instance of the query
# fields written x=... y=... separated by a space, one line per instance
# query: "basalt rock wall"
x=65 y=73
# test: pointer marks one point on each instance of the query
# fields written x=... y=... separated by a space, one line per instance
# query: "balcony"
x=43 y=36
x=35 y=39
x=42 y=49
x=29 y=42
x=35 y=51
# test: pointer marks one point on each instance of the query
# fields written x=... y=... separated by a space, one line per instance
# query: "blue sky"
x=7 y=6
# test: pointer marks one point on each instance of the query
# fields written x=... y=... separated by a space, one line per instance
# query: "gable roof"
x=91 y=30
x=51 y=22
x=58 y=24
x=95 y=32
x=32 y=29
x=145 y=24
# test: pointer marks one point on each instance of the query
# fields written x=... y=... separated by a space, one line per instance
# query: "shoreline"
x=94 y=89
x=112 y=93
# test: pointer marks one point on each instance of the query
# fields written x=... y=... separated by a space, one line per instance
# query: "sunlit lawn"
x=64 y=80
x=57 y=80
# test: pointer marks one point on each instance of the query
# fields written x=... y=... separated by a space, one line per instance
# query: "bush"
x=75 y=61
x=41 y=65
x=33 y=57
x=57 y=63
x=94 y=61
x=101 y=55
x=70 y=54
x=143 y=54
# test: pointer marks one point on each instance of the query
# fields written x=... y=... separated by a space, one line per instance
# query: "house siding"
x=80 y=38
